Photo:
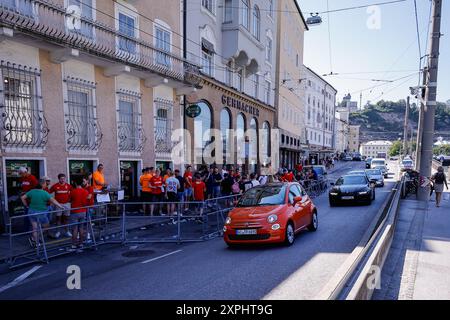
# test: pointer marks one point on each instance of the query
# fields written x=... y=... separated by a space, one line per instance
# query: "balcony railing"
x=131 y=137
x=52 y=23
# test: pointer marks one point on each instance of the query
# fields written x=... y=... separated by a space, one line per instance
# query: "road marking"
x=20 y=278
x=163 y=256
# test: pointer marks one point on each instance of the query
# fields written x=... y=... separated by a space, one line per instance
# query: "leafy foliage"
x=396 y=148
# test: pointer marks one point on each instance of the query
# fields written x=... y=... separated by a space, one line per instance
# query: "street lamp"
x=314 y=20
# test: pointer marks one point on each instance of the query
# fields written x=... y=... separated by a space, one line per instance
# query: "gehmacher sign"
x=239 y=105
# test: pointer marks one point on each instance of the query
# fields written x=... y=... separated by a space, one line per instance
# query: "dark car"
x=357 y=156
x=368 y=163
x=352 y=189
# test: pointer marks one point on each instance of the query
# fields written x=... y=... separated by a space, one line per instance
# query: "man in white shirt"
x=172 y=186
x=253 y=180
x=262 y=180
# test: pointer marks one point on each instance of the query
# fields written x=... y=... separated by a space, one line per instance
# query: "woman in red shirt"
x=156 y=185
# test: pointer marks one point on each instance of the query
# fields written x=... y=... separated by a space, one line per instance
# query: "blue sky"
x=356 y=48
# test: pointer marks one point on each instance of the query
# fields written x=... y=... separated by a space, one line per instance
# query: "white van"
x=380 y=163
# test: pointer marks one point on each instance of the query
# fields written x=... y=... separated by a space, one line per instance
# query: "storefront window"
x=253 y=152
x=225 y=126
x=240 y=138
x=79 y=169
x=202 y=127
x=128 y=179
x=13 y=184
x=265 y=136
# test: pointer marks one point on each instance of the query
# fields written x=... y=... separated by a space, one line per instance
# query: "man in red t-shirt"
x=27 y=180
x=79 y=200
x=199 y=192
x=90 y=202
x=62 y=190
x=156 y=185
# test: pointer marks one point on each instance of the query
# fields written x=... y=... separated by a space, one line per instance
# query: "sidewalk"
x=418 y=263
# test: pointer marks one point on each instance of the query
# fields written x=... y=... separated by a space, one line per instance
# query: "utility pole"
x=430 y=104
x=420 y=124
x=405 y=129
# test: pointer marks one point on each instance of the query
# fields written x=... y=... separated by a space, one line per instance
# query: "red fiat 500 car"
x=270 y=213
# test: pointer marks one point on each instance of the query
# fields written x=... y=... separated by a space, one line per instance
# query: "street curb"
x=333 y=289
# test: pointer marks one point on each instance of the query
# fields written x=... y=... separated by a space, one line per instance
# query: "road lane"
x=209 y=270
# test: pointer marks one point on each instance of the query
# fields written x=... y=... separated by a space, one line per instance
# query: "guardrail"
x=350 y=281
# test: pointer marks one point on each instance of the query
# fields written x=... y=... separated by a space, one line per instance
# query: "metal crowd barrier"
x=21 y=252
x=131 y=222
x=315 y=188
x=123 y=223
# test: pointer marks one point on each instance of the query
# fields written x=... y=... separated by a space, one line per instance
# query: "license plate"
x=348 y=197
x=245 y=232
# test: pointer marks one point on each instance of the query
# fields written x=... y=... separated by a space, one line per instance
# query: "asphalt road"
x=208 y=270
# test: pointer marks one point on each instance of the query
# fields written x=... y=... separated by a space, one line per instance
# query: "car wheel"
x=332 y=203
x=289 y=236
x=373 y=198
x=314 y=222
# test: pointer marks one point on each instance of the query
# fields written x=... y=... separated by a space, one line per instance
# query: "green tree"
x=442 y=149
x=396 y=148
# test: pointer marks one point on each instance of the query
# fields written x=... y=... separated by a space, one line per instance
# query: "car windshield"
x=374 y=172
x=377 y=162
x=263 y=196
x=351 y=180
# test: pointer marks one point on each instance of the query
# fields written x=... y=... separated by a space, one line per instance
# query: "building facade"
x=289 y=101
x=373 y=148
x=353 y=138
x=89 y=84
x=347 y=102
x=234 y=41
x=320 y=100
x=342 y=130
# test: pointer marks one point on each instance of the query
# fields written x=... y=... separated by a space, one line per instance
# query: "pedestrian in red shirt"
x=90 y=203
x=62 y=191
x=199 y=192
x=27 y=180
x=79 y=201
x=156 y=185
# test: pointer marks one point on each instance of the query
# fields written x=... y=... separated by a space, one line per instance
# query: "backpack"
x=440 y=178
x=235 y=187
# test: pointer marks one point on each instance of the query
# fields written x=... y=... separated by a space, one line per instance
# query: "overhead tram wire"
x=328 y=11
x=383 y=84
x=392 y=89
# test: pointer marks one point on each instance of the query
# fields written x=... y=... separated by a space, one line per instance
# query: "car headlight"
x=228 y=220
x=363 y=192
x=333 y=193
x=272 y=218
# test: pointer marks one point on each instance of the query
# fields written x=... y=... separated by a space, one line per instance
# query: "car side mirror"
x=297 y=200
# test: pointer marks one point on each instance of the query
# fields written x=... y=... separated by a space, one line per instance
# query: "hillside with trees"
x=384 y=120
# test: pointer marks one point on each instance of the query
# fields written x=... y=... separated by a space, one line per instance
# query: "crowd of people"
x=63 y=205
x=170 y=187
x=162 y=193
